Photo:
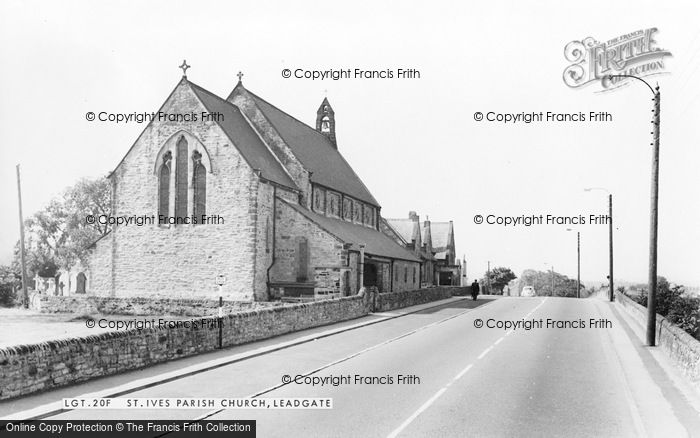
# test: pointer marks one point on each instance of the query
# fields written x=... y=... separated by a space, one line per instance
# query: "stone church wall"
x=403 y=276
x=323 y=249
x=182 y=261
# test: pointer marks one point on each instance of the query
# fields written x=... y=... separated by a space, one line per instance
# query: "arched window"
x=164 y=185
x=181 y=179
x=199 y=184
x=302 y=260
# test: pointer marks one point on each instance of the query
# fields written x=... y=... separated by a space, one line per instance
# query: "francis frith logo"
x=635 y=54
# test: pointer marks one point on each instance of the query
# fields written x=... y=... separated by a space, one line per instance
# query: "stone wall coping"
x=682 y=348
x=663 y=323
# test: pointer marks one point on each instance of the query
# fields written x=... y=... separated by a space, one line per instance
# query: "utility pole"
x=488 y=277
x=654 y=220
x=610 y=229
x=578 y=262
x=578 y=273
x=654 y=211
x=25 y=294
x=610 y=238
x=552 y=280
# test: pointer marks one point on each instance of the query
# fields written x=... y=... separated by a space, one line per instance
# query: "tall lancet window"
x=199 y=184
x=164 y=185
x=181 y=179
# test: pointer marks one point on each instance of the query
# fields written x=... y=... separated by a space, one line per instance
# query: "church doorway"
x=370 y=275
x=445 y=278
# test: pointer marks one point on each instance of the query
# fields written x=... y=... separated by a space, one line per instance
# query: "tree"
x=671 y=302
x=58 y=235
x=498 y=279
x=547 y=284
x=9 y=283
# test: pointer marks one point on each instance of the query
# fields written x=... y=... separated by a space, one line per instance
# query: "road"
x=464 y=380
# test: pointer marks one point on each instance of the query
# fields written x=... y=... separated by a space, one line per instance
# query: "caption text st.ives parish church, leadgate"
x=296 y=219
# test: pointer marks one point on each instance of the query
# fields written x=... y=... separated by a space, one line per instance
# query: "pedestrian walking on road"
x=475 y=289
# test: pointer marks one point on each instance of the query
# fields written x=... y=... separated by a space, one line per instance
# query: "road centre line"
x=485 y=352
x=55 y=408
x=410 y=419
x=344 y=359
x=437 y=395
x=461 y=373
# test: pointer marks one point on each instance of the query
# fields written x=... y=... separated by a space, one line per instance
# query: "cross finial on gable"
x=240 y=76
x=184 y=68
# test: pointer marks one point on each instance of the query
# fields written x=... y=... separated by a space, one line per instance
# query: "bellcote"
x=325 y=121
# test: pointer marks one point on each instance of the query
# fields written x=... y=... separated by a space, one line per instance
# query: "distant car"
x=528 y=291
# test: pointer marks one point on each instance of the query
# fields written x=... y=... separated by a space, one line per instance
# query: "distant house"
x=433 y=242
x=447 y=267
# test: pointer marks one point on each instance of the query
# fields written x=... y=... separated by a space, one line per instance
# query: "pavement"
x=435 y=370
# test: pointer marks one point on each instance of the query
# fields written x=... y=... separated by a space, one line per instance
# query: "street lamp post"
x=654 y=213
x=610 y=237
x=578 y=262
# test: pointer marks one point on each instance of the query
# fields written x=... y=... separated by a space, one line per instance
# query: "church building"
x=249 y=195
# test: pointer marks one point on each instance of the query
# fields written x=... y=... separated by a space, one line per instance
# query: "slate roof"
x=244 y=137
x=316 y=152
x=440 y=233
x=376 y=242
x=405 y=228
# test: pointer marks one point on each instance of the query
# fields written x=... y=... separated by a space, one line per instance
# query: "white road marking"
x=410 y=419
x=485 y=352
x=427 y=404
x=463 y=372
x=346 y=358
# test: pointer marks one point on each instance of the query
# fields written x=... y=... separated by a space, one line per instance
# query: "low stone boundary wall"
x=398 y=300
x=682 y=348
x=26 y=369
x=91 y=304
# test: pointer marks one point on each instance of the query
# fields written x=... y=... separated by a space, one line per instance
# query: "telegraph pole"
x=654 y=213
x=578 y=270
x=25 y=294
x=654 y=220
x=610 y=228
x=488 y=277
x=552 y=280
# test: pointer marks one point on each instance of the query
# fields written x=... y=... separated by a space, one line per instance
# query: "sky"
x=414 y=142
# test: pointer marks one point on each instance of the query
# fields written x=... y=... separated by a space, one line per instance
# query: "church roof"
x=376 y=242
x=316 y=152
x=244 y=137
x=406 y=228
x=440 y=232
